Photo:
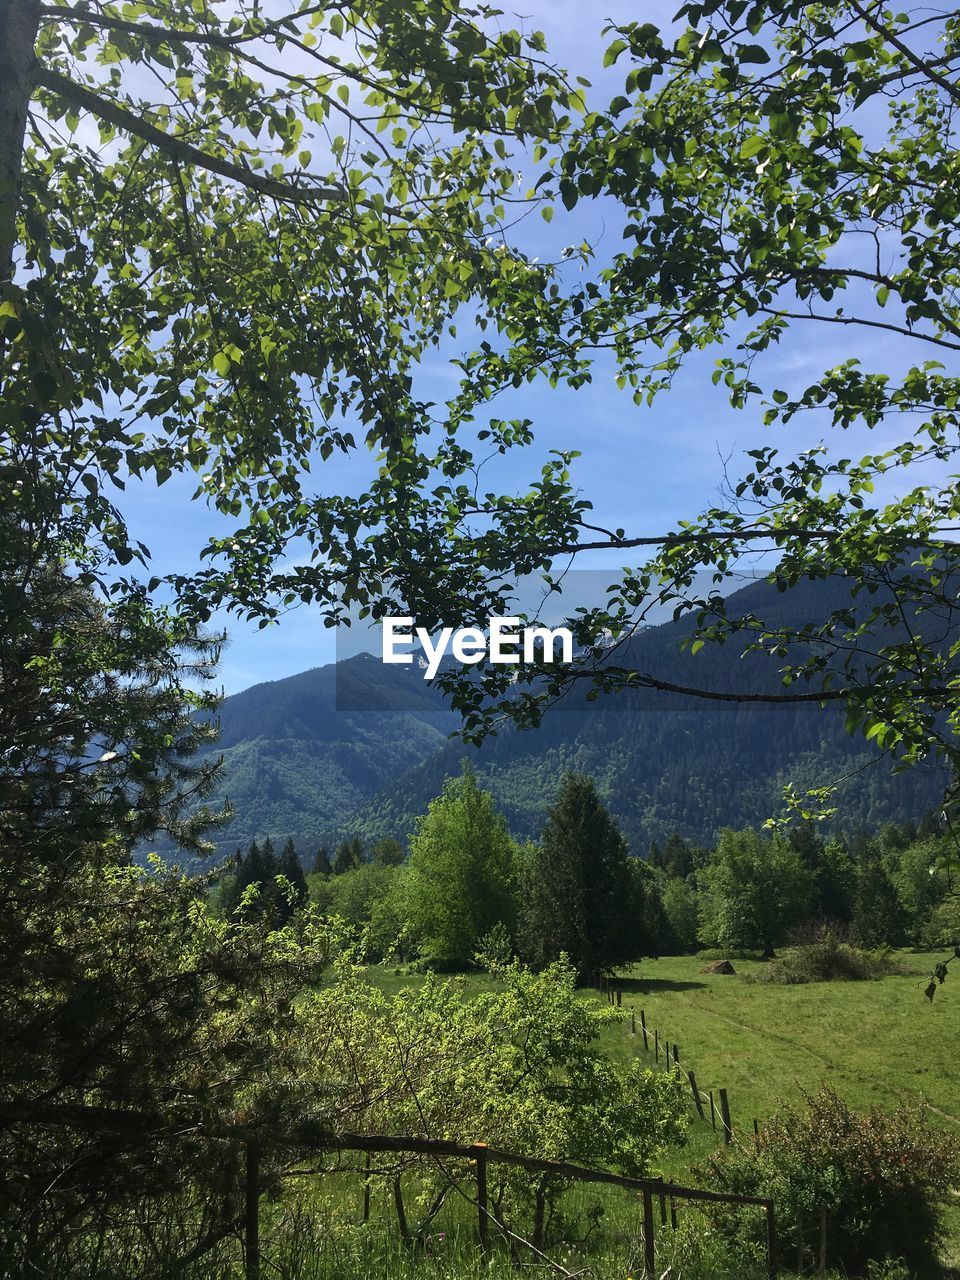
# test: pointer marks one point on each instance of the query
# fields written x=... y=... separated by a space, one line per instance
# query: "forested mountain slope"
x=306 y=760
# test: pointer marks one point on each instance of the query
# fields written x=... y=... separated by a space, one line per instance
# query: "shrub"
x=827 y=957
x=881 y=1177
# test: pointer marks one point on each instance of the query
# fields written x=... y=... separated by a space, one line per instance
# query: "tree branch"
x=924 y=67
x=113 y=113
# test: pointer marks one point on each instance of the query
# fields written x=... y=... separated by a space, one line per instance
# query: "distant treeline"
x=466 y=886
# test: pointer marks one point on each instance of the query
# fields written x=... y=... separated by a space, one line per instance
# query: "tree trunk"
x=19 y=20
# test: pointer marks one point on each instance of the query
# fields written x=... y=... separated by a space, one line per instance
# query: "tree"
x=291 y=869
x=680 y=908
x=751 y=157
x=349 y=856
x=282 y=325
x=877 y=917
x=265 y=248
x=387 y=853
x=578 y=894
x=751 y=891
x=115 y=981
x=460 y=880
x=322 y=866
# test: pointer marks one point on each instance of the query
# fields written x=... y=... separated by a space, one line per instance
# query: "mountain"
x=303 y=755
x=360 y=747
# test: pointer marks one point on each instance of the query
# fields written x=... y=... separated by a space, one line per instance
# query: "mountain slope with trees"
x=299 y=764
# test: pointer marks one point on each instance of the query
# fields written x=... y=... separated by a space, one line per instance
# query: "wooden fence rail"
x=309 y=1136
x=483 y=1155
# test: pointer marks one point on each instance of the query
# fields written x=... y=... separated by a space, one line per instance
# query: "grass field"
x=875 y=1042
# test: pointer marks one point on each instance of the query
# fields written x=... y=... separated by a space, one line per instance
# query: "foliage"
x=370 y=899
x=136 y=1026
x=876 y=912
x=882 y=1177
x=279 y=879
x=752 y=890
x=388 y=852
x=519 y=1067
x=349 y=855
x=239 y=265
x=680 y=908
x=578 y=895
x=752 y=155
x=128 y=1012
x=827 y=957
x=461 y=874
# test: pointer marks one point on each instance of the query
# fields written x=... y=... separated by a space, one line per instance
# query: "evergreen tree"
x=349 y=856
x=322 y=866
x=289 y=866
x=578 y=892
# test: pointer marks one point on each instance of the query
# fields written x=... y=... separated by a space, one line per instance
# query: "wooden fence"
x=481 y=1156
x=670 y=1054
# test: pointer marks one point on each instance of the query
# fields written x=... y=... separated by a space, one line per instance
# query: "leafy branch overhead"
x=230 y=237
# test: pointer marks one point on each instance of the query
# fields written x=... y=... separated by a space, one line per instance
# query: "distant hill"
x=302 y=756
x=304 y=759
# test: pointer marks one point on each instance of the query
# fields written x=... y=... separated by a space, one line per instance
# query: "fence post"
x=251 y=1233
x=713 y=1113
x=643 y=1028
x=401 y=1211
x=725 y=1116
x=697 y=1102
x=656 y=1046
x=482 y=1210
x=676 y=1059
x=822 y=1269
x=619 y=997
x=771 y=1242
x=633 y=1023
x=756 y=1133
x=649 y=1259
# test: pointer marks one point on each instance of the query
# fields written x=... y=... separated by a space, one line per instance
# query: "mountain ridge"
x=360 y=747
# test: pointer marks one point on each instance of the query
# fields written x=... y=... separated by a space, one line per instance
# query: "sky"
x=644 y=467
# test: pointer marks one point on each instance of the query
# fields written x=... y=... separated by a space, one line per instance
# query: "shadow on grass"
x=645 y=986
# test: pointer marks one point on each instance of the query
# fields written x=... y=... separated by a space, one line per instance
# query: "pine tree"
x=349 y=855
x=289 y=866
x=322 y=866
x=577 y=887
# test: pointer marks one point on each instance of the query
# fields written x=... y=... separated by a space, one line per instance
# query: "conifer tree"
x=349 y=855
x=578 y=893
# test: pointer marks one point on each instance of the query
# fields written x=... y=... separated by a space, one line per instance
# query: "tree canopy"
x=226 y=274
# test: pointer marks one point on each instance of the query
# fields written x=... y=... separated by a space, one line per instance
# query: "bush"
x=882 y=1178
x=825 y=958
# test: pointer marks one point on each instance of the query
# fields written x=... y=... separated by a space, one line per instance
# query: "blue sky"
x=644 y=468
